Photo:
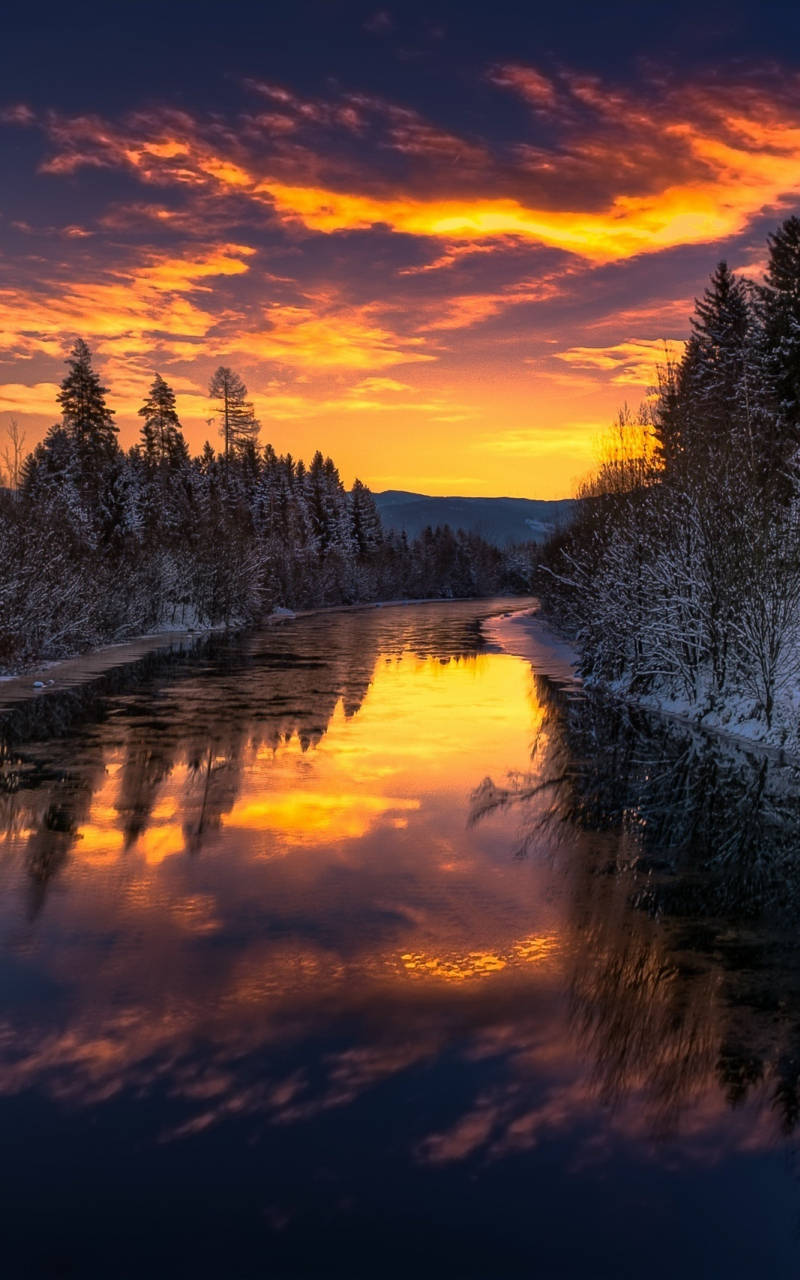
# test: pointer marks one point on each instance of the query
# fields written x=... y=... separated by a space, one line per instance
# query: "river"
x=358 y=947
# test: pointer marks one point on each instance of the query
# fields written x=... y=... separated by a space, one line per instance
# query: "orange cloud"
x=126 y=303
x=530 y=84
x=634 y=363
x=453 y=254
x=381 y=384
x=379 y=240
x=327 y=336
x=16 y=397
x=716 y=169
x=629 y=225
x=461 y=311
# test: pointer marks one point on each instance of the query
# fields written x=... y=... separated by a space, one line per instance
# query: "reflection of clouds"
x=547 y=1096
x=467 y=1135
x=476 y=964
x=157 y=953
x=160 y=842
x=471 y=965
x=389 y=939
x=196 y=913
x=301 y=817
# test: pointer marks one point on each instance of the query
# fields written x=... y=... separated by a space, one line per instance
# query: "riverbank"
x=44 y=699
x=60 y=674
x=526 y=634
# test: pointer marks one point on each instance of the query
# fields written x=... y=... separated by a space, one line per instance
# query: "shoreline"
x=57 y=675
x=525 y=633
x=556 y=659
x=81 y=671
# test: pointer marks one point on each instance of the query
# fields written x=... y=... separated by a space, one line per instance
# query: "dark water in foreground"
x=353 y=949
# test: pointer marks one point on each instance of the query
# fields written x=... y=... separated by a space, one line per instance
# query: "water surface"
x=357 y=948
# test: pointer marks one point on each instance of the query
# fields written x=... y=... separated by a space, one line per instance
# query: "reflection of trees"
x=47 y=803
x=145 y=768
x=210 y=712
x=214 y=785
x=48 y=850
x=683 y=859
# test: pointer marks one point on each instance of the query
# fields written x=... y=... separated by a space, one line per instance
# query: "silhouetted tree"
x=238 y=424
x=162 y=438
x=84 y=412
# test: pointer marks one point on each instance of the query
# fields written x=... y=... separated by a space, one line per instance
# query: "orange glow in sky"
x=441 y=310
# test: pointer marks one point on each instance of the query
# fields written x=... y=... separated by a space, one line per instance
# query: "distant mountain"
x=498 y=520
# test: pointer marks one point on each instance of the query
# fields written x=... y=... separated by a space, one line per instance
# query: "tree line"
x=98 y=543
x=680 y=576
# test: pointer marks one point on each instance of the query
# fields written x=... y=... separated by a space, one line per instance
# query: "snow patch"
x=525 y=634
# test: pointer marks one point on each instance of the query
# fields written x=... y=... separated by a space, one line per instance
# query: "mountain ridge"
x=499 y=520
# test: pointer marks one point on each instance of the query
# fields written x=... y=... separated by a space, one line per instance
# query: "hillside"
x=499 y=520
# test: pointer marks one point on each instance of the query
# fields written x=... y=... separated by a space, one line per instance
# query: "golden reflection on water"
x=209 y=882
x=425 y=727
x=383 y=793
x=424 y=733
x=476 y=964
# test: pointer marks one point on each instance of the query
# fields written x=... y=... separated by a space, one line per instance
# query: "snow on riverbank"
x=68 y=673
x=525 y=634
x=60 y=674
x=735 y=721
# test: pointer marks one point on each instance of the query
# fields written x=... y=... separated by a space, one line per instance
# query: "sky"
x=444 y=243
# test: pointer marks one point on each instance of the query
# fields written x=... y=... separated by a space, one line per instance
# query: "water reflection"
x=272 y=698
x=283 y=850
x=255 y=900
x=686 y=968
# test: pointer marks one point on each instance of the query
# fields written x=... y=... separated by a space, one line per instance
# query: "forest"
x=98 y=544
x=680 y=577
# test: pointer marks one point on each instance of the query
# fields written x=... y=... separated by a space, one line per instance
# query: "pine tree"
x=237 y=421
x=716 y=364
x=51 y=478
x=710 y=418
x=671 y=419
x=342 y=517
x=780 y=314
x=207 y=461
x=328 y=506
x=318 y=500
x=84 y=411
x=162 y=437
x=367 y=529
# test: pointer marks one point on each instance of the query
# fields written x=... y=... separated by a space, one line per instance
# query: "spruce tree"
x=672 y=419
x=367 y=529
x=51 y=478
x=717 y=362
x=339 y=505
x=207 y=461
x=162 y=438
x=85 y=414
x=237 y=421
x=780 y=314
x=320 y=484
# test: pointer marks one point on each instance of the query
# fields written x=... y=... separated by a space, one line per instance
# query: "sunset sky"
x=442 y=242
